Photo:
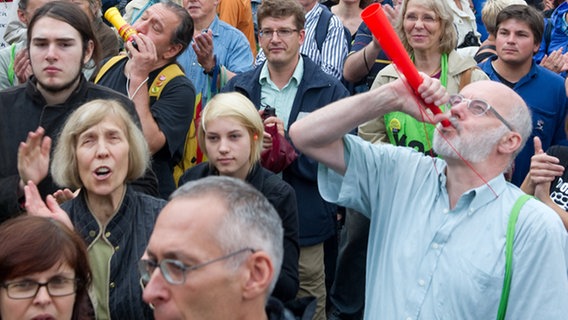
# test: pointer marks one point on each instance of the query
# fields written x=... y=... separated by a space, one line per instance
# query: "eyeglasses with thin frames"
x=281 y=33
x=426 y=18
x=26 y=289
x=175 y=271
x=478 y=108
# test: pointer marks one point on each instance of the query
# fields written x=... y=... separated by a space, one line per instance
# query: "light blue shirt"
x=231 y=49
x=333 y=50
x=425 y=261
x=280 y=99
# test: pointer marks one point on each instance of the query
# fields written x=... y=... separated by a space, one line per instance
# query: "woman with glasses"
x=44 y=272
x=426 y=30
x=230 y=135
x=100 y=150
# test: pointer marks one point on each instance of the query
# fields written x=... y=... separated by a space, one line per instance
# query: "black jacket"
x=23 y=109
x=283 y=198
x=128 y=231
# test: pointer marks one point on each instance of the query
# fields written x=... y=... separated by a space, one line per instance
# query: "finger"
x=537 y=145
x=45 y=146
x=33 y=198
x=52 y=204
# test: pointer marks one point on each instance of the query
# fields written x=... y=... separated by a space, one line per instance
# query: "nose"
x=51 y=52
x=458 y=110
x=223 y=146
x=419 y=23
x=42 y=297
x=155 y=290
x=141 y=26
x=510 y=38
x=102 y=149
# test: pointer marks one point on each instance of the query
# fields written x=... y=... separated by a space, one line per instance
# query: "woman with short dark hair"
x=44 y=270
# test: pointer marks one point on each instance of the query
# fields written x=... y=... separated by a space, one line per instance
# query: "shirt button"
x=112 y=285
x=435 y=246
x=107 y=234
x=446 y=211
x=421 y=282
x=92 y=233
x=116 y=248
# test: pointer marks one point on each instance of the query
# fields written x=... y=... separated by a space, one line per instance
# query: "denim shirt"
x=232 y=51
x=128 y=232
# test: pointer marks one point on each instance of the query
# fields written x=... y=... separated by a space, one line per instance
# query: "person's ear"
x=89 y=51
x=509 y=143
x=172 y=51
x=259 y=275
x=302 y=34
x=22 y=16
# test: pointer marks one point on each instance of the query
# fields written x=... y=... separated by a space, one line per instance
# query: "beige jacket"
x=375 y=130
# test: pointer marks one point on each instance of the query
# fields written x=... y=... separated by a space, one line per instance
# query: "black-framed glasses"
x=175 y=271
x=478 y=108
x=281 y=33
x=26 y=289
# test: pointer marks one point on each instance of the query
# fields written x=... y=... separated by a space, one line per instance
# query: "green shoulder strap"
x=509 y=254
x=11 y=72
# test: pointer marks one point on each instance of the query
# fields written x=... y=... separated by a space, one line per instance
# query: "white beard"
x=469 y=147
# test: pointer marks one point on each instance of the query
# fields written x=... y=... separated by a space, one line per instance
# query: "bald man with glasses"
x=439 y=226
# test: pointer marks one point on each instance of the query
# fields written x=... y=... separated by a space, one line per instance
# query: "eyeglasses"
x=478 y=107
x=282 y=33
x=426 y=19
x=174 y=271
x=56 y=287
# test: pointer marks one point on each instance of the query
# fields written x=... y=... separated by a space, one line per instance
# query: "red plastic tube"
x=381 y=28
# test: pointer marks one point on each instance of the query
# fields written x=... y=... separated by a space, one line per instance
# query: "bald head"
x=505 y=101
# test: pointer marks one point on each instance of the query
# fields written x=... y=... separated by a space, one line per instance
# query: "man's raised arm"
x=319 y=135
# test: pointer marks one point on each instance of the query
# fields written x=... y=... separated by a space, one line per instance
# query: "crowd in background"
x=104 y=137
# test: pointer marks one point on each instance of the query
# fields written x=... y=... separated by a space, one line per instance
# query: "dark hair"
x=30 y=244
x=282 y=9
x=184 y=32
x=23 y=5
x=73 y=16
x=527 y=14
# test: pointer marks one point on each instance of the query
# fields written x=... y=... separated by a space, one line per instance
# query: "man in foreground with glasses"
x=215 y=253
x=295 y=86
x=438 y=227
x=519 y=32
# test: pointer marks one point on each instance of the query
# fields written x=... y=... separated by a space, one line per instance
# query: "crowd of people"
x=271 y=161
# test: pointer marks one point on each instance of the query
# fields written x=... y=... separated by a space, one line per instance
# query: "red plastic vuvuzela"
x=381 y=28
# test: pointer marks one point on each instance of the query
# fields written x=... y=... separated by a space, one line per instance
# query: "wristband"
x=213 y=70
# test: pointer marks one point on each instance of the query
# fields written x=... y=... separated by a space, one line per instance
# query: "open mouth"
x=102 y=172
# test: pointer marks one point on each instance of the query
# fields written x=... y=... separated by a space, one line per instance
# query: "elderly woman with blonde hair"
x=100 y=150
x=426 y=30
